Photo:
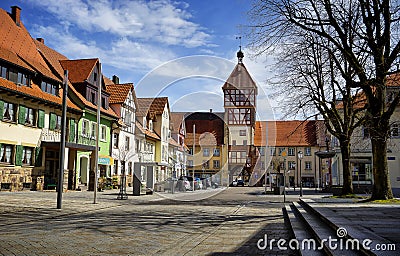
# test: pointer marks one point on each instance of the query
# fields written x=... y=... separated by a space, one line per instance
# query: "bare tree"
x=362 y=35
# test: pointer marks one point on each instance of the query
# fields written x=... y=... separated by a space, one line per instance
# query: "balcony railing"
x=55 y=136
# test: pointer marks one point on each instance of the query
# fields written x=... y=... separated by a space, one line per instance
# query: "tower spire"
x=240 y=54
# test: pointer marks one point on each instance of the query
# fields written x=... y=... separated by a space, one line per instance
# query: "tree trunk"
x=381 y=189
x=347 y=174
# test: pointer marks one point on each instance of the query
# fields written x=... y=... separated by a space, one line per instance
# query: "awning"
x=360 y=160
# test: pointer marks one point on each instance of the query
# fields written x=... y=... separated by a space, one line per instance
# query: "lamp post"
x=300 y=156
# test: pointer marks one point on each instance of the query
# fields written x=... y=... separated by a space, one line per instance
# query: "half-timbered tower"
x=240 y=92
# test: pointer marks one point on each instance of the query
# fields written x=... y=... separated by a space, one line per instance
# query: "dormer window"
x=150 y=125
x=14 y=75
x=49 y=88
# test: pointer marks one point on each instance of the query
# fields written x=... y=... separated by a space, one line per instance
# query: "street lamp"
x=300 y=156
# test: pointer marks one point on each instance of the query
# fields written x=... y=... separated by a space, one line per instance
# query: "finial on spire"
x=240 y=54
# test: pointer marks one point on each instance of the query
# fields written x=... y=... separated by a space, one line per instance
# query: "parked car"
x=240 y=183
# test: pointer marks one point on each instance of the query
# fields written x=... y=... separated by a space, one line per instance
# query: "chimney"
x=40 y=40
x=16 y=14
x=115 y=79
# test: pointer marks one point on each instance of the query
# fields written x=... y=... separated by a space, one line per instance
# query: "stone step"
x=300 y=230
x=324 y=233
x=359 y=233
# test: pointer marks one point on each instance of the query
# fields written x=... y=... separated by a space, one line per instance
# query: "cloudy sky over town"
x=136 y=38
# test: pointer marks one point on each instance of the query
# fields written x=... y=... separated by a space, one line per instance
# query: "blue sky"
x=132 y=38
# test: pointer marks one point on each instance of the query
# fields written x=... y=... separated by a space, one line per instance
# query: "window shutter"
x=53 y=121
x=21 y=114
x=18 y=155
x=40 y=118
x=38 y=156
x=71 y=130
x=1 y=109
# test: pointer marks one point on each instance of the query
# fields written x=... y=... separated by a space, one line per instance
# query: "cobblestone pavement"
x=229 y=223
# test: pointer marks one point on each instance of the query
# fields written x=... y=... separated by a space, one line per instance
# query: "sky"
x=185 y=49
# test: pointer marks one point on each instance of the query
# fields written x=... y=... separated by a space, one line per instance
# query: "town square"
x=264 y=127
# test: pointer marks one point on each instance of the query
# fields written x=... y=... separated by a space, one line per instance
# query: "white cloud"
x=120 y=53
x=160 y=21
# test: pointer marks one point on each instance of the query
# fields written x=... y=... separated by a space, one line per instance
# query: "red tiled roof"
x=119 y=92
x=176 y=119
x=286 y=133
x=16 y=42
x=19 y=48
x=393 y=79
x=147 y=132
x=35 y=92
x=55 y=58
x=173 y=142
x=240 y=78
x=79 y=70
x=151 y=106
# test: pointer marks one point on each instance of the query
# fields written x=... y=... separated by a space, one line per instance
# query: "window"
x=234 y=142
x=244 y=142
x=191 y=151
x=127 y=142
x=116 y=139
x=93 y=98
x=206 y=152
x=150 y=125
x=6 y=152
x=272 y=152
x=282 y=165
x=307 y=151
x=237 y=157
x=292 y=165
x=217 y=152
x=49 y=88
x=242 y=132
x=3 y=72
x=206 y=164
x=308 y=165
x=128 y=118
x=216 y=164
x=30 y=116
x=115 y=171
x=130 y=168
x=93 y=130
x=55 y=122
x=8 y=111
x=103 y=133
x=365 y=133
x=85 y=127
x=291 y=151
x=137 y=145
x=27 y=156
x=58 y=122
x=104 y=103
x=190 y=163
x=395 y=130
x=281 y=150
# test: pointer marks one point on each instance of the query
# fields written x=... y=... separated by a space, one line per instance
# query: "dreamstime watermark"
x=339 y=243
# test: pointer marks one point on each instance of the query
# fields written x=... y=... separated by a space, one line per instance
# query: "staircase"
x=333 y=235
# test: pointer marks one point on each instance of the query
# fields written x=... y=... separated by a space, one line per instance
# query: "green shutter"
x=1 y=109
x=38 y=156
x=18 y=155
x=21 y=114
x=53 y=121
x=71 y=130
x=40 y=118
